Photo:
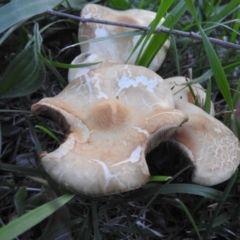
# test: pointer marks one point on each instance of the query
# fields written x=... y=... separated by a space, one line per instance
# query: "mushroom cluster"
x=114 y=113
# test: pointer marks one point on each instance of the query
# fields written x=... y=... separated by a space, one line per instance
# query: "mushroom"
x=182 y=92
x=209 y=144
x=112 y=116
x=116 y=49
x=85 y=58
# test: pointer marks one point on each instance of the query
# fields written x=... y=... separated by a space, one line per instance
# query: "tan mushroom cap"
x=117 y=49
x=210 y=145
x=85 y=58
x=182 y=92
x=112 y=116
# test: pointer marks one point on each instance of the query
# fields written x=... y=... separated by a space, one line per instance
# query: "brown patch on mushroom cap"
x=114 y=115
x=108 y=115
x=116 y=49
x=211 y=146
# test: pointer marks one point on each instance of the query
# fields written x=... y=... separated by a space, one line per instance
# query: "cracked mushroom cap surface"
x=181 y=92
x=213 y=148
x=85 y=58
x=112 y=116
x=116 y=49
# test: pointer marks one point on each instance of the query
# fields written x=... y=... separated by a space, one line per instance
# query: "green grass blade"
x=147 y=56
x=137 y=45
x=131 y=222
x=209 y=9
x=220 y=204
x=0 y=140
x=222 y=219
x=236 y=95
x=84 y=225
x=156 y=193
x=10 y=31
x=65 y=65
x=74 y=4
x=236 y=28
x=26 y=72
x=34 y=137
x=189 y=216
x=14 y=111
x=19 y=200
x=214 y=62
x=37 y=38
x=159 y=178
x=43 y=29
x=30 y=219
x=59 y=77
x=158 y=40
x=48 y=132
x=22 y=170
x=19 y=10
x=235 y=117
x=123 y=4
x=95 y=219
x=182 y=188
x=193 y=189
x=119 y=35
x=198 y=205
x=208 y=74
x=235 y=125
x=218 y=71
x=207 y=104
x=175 y=51
x=225 y=11
x=230 y=67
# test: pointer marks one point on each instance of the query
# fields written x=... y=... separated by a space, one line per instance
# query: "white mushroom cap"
x=112 y=117
x=117 y=49
x=182 y=92
x=210 y=145
x=87 y=58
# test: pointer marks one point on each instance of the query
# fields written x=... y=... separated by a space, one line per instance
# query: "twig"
x=191 y=35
